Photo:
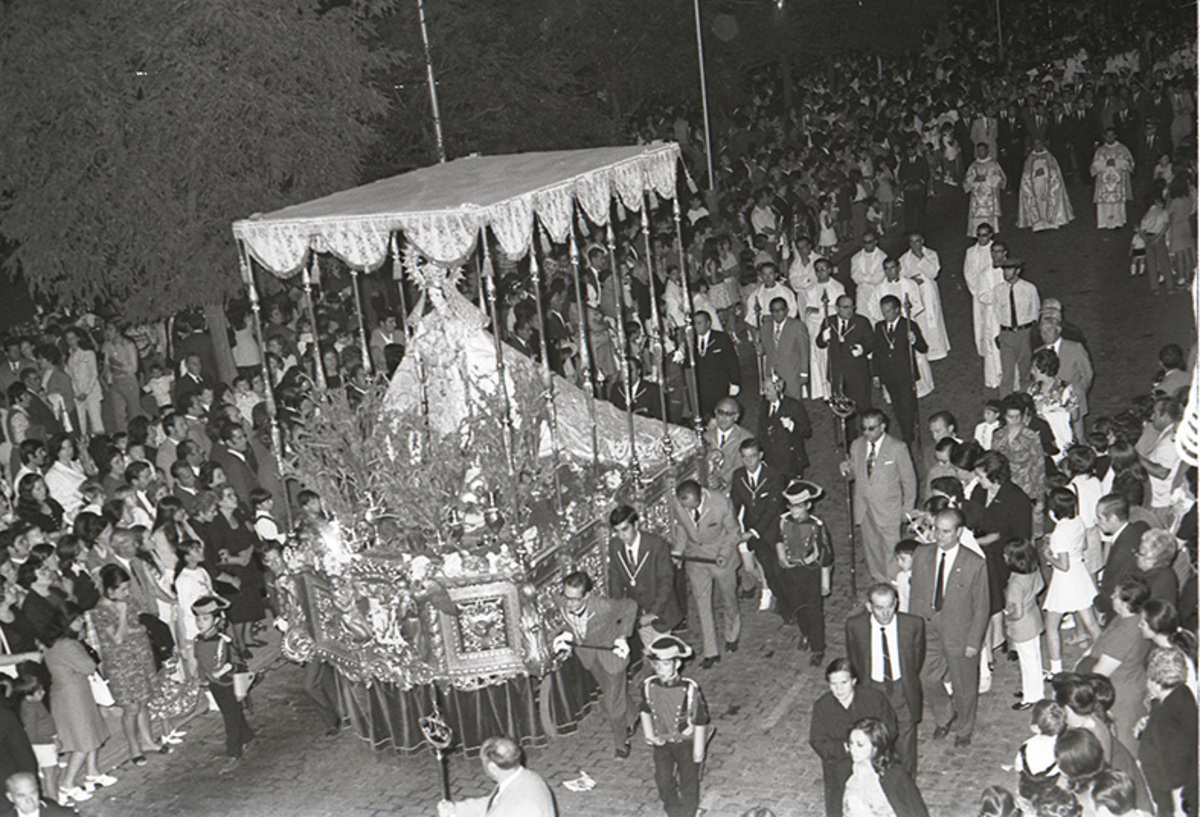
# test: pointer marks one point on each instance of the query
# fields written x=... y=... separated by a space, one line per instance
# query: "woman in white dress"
x=65 y=476
x=922 y=265
x=1072 y=589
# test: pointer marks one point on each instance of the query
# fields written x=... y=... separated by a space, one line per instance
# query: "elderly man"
x=705 y=536
x=885 y=487
x=982 y=276
x=984 y=183
x=723 y=439
x=22 y=791
x=519 y=792
x=887 y=650
x=950 y=591
x=598 y=630
x=1074 y=364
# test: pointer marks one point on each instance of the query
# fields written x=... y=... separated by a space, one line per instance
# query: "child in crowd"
x=244 y=398
x=1137 y=254
x=942 y=467
x=674 y=721
x=903 y=552
x=997 y=801
x=192 y=583
x=41 y=730
x=1036 y=763
x=159 y=381
x=311 y=514
x=1023 y=618
x=875 y=216
x=262 y=503
x=993 y=414
x=1057 y=802
x=1071 y=585
x=213 y=650
x=805 y=566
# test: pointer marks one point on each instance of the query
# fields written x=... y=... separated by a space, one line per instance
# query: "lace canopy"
x=441 y=209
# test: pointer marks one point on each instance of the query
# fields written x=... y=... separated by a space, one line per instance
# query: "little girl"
x=1022 y=619
x=41 y=729
x=1037 y=766
x=192 y=583
x=1071 y=586
x=828 y=240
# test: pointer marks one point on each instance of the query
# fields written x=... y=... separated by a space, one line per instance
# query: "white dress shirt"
x=893 y=639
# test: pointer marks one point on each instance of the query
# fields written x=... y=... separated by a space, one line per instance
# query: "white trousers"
x=1033 y=688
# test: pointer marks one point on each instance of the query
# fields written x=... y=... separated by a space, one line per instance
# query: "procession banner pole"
x=712 y=181
x=585 y=358
x=306 y=281
x=657 y=335
x=506 y=423
x=547 y=375
x=362 y=325
x=842 y=408
x=622 y=310
x=912 y=373
x=398 y=274
x=689 y=330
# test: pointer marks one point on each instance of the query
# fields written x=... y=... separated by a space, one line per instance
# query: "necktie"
x=703 y=345
x=774 y=408
x=696 y=516
x=778 y=331
x=887 y=656
x=492 y=799
x=1012 y=307
x=938 y=595
x=753 y=482
x=632 y=557
x=722 y=437
x=870 y=458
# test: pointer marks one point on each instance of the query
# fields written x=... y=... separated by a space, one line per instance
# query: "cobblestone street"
x=760 y=697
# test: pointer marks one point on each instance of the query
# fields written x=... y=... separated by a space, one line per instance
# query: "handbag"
x=100 y=691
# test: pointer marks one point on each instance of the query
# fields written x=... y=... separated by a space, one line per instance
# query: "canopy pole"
x=362 y=325
x=398 y=274
x=433 y=98
x=689 y=329
x=585 y=361
x=656 y=331
x=506 y=422
x=547 y=375
x=268 y=386
x=712 y=180
x=306 y=280
x=635 y=468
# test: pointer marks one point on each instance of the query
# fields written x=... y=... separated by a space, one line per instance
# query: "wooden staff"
x=547 y=375
x=622 y=310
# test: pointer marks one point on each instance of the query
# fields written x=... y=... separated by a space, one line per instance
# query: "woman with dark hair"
x=72 y=567
x=832 y=716
x=212 y=476
x=43 y=601
x=1053 y=398
x=18 y=638
x=235 y=541
x=1159 y=623
x=81 y=728
x=1022 y=449
x=111 y=466
x=1072 y=589
x=1007 y=515
x=1080 y=756
x=65 y=476
x=127 y=660
x=876 y=785
x=35 y=506
x=1120 y=655
x=1080 y=466
x=1168 y=741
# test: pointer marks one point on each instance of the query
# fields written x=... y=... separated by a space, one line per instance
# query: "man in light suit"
x=887 y=650
x=705 y=536
x=950 y=591
x=722 y=441
x=519 y=792
x=1074 y=365
x=885 y=487
x=757 y=496
x=784 y=348
x=597 y=630
x=640 y=568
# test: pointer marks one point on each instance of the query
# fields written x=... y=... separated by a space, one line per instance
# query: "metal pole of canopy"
x=502 y=385
x=306 y=281
x=547 y=375
x=627 y=386
x=712 y=181
x=362 y=324
x=398 y=274
x=689 y=330
x=656 y=330
x=585 y=361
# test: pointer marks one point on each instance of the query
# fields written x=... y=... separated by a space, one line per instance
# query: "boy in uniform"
x=213 y=657
x=806 y=566
x=675 y=722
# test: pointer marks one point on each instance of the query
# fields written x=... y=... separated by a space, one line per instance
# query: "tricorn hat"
x=667 y=647
x=801 y=490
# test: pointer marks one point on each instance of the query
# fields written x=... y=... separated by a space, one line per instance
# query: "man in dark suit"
x=914 y=181
x=190 y=380
x=1060 y=137
x=783 y=426
x=894 y=363
x=1011 y=138
x=559 y=345
x=640 y=568
x=1112 y=517
x=756 y=491
x=705 y=535
x=718 y=372
x=644 y=397
x=950 y=591
x=1147 y=148
x=887 y=650
x=849 y=339
x=598 y=630
x=234 y=457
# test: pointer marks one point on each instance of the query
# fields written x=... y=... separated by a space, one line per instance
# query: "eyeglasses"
x=872 y=428
x=727 y=413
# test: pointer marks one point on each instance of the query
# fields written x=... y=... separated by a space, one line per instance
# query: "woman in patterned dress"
x=1022 y=447
x=1054 y=399
x=127 y=660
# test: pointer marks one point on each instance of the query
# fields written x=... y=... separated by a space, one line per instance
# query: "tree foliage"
x=135 y=131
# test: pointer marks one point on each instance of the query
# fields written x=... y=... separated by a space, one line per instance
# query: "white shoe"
x=75 y=794
x=764 y=602
x=985 y=684
x=101 y=780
